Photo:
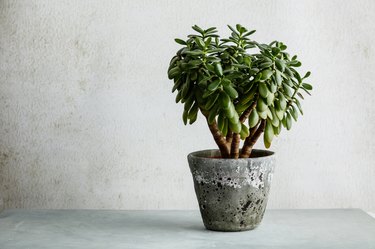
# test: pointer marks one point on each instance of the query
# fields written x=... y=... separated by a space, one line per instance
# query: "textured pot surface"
x=232 y=193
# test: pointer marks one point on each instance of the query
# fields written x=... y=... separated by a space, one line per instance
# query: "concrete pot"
x=232 y=193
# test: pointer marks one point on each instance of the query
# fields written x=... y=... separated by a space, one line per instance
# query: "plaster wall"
x=87 y=119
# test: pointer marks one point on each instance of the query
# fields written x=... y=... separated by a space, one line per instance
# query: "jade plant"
x=243 y=88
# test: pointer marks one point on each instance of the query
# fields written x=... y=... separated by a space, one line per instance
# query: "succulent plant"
x=242 y=95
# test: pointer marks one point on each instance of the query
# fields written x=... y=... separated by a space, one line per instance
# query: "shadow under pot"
x=232 y=193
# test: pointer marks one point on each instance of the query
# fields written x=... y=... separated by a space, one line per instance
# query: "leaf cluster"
x=221 y=78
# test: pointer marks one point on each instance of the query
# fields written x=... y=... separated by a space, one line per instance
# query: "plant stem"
x=219 y=139
x=235 y=147
x=235 y=142
x=248 y=111
x=251 y=140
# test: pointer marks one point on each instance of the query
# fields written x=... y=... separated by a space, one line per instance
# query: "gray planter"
x=232 y=193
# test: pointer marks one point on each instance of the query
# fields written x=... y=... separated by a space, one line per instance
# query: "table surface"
x=289 y=229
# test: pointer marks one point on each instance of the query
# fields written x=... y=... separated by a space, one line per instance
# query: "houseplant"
x=243 y=89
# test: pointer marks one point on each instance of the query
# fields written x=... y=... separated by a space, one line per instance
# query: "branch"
x=219 y=139
x=235 y=142
x=248 y=111
x=235 y=147
x=251 y=140
x=229 y=136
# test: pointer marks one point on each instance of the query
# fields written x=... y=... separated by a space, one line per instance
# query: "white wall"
x=87 y=119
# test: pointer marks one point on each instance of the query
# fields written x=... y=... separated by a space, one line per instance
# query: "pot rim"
x=213 y=152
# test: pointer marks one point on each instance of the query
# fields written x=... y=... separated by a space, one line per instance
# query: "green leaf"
x=270 y=99
x=294 y=113
x=194 y=52
x=277 y=130
x=269 y=113
x=211 y=30
x=282 y=101
x=194 y=62
x=266 y=74
x=288 y=72
x=268 y=131
x=249 y=33
x=307 y=75
x=214 y=85
x=235 y=127
x=211 y=101
x=241 y=108
x=288 y=121
x=173 y=72
x=273 y=87
x=185 y=88
x=221 y=121
x=189 y=102
x=276 y=51
x=295 y=63
x=233 y=30
x=263 y=115
x=280 y=65
x=224 y=131
x=198 y=29
x=263 y=90
x=200 y=42
x=225 y=82
x=177 y=85
x=261 y=105
x=265 y=64
x=218 y=69
x=224 y=100
x=287 y=90
x=253 y=118
x=275 y=120
x=208 y=42
x=207 y=93
x=231 y=113
x=266 y=143
x=247 y=97
x=244 y=131
x=231 y=91
x=173 y=61
x=193 y=113
x=299 y=106
x=307 y=86
x=279 y=113
x=278 y=78
x=185 y=116
x=178 y=97
x=179 y=41
x=212 y=114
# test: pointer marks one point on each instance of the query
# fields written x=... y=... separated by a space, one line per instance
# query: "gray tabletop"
x=290 y=229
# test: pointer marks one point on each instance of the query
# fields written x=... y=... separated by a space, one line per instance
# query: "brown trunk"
x=229 y=136
x=251 y=140
x=235 y=143
x=235 y=147
x=219 y=139
x=248 y=111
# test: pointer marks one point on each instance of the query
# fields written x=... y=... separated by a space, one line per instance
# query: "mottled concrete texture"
x=87 y=119
x=232 y=193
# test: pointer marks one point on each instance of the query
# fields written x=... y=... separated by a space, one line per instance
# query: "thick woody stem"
x=251 y=140
x=235 y=148
x=235 y=142
x=229 y=137
x=247 y=112
x=219 y=139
